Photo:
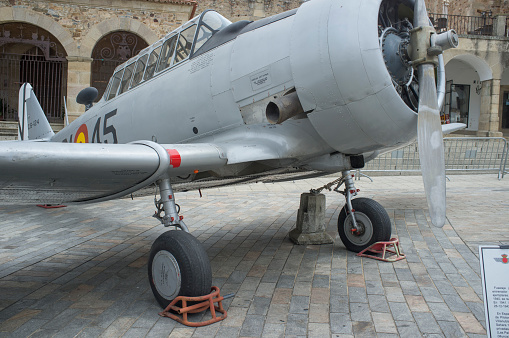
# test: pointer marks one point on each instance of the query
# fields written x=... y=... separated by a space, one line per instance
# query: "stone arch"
x=479 y=65
x=466 y=75
x=16 y=14
x=115 y=24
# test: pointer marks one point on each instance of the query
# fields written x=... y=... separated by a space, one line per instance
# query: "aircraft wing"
x=54 y=173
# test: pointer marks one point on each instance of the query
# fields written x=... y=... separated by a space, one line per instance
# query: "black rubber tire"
x=192 y=260
x=380 y=224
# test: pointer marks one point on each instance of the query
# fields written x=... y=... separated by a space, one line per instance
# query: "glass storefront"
x=456 y=106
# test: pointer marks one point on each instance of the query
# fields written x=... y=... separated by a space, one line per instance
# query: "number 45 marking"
x=107 y=129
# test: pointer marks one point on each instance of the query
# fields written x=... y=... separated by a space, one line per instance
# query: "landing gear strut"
x=178 y=264
x=362 y=221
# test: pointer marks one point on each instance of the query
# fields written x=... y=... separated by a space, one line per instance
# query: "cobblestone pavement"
x=82 y=270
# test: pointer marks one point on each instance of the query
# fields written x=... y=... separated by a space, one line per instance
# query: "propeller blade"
x=431 y=148
x=429 y=132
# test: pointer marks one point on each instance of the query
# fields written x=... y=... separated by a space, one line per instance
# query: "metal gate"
x=462 y=155
x=30 y=54
x=109 y=52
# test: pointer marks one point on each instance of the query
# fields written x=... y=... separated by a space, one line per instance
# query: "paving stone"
x=455 y=303
x=378 y=303
x=82 y=270
x=431 y=295
x=259 y=306
x=426 y=322
x=252 y=326
x=469 y=323
x=227 y=331
x=296 y=325
x=384 y=323
x=340 y=323
x=360 y=312
x=441 y=311
x=299 y=304
x=451 y=329
x=357 y=295
x=408 y=329
x=364 y=329
x=400 y=311
x=286 y=281
x=269 y=330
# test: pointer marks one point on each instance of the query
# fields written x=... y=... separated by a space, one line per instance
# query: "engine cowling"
x=356 y=107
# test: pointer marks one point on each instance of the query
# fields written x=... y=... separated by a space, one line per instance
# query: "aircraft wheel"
x=178 y=266
x=373 y=221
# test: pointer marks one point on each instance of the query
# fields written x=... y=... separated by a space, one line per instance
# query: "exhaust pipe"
x=283 y=108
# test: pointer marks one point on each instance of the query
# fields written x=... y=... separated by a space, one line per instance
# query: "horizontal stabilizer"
x=33 y=124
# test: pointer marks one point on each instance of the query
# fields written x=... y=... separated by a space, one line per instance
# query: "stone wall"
x=78 y=17
x=236 y=10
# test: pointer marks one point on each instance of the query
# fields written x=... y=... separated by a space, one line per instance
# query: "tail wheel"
x=374 y=225
x=178 y=266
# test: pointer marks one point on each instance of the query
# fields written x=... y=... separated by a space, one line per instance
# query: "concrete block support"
x=310 y=227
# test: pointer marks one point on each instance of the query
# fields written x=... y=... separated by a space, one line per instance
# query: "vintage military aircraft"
x=324 y=88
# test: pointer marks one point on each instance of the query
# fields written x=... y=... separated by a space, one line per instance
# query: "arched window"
x=31 y=54
x=112 y=50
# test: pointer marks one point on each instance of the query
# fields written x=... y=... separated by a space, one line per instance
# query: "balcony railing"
x=467 y=25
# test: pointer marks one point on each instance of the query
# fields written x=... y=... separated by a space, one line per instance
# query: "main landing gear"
x=178 y=264
x=362 y=221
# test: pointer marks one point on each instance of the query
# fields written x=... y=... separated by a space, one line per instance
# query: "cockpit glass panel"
x=167 y=53
x=126 y=79
x=138 y=73
x=185 y=43
x=151 y=64
x=115 y=84
x=211 y=23
x=214 y=21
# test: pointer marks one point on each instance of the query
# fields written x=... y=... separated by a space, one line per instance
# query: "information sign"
x=494 y=262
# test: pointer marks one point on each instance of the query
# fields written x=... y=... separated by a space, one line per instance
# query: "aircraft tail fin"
x=33 y=124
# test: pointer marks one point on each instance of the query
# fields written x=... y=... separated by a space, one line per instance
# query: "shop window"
x=459 y=103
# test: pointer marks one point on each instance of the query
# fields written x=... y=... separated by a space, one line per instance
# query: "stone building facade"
x=79 y=31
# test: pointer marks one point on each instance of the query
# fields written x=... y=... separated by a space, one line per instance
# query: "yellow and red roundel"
x=81 y=134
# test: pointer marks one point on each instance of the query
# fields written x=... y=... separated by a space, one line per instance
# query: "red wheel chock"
x=50 y=206
x=206 y=302
x=380 y=250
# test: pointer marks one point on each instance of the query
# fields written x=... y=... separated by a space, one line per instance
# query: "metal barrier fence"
x=462 y=154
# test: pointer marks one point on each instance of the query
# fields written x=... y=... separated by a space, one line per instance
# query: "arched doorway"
x=31 y=54
x=465 y=82
x=112 y=50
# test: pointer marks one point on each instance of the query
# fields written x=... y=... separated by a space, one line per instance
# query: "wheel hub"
x=363 y=234
x=166 y=274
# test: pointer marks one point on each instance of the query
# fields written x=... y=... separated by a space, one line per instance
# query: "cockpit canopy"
x=177 y=46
